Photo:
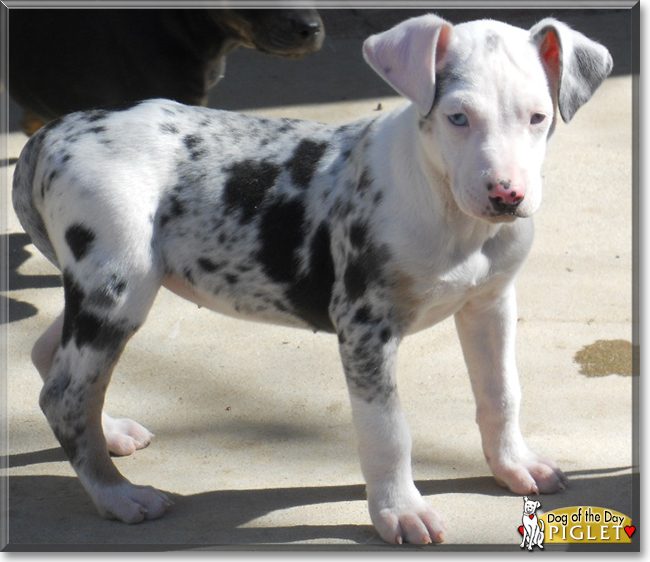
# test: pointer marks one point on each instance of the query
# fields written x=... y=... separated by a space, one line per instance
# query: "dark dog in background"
x=67 y=60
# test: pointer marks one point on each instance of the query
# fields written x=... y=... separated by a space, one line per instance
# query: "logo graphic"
x=582 y=524
x=532 y=529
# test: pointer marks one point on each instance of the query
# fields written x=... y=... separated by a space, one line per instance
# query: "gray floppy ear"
x=574 y=64
x=406 y=57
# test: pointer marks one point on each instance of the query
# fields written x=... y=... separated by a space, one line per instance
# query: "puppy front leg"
x=398 y=511
x=487 y=333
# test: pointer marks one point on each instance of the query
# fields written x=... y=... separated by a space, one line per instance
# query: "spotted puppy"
x=371 y=231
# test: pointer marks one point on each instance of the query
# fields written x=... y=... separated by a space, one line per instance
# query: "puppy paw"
x=124 y=436
x=407 y=518
x=529 y=475
x=130 y=504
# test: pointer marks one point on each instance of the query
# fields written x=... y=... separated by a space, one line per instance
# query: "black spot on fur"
x=117 y=285
x=287 y=125
x=97 y=130
x=195 y=146
x=169 y=128
x=207 y=265
x=98 y=333
x=106 y=297
x=304 y=161
x=189 y=276
x=96 y=115
x=74 y=297
x=247 y=185
x=492 y=41
x=192 y=141
x=363 y=315
x=446 y=79
x=363 y=270
x=365 y=372
x=84 y=327
x=311 y=293
x=176 y=207
x=385 y=335
x=47 y=182
x=54 y=389
x=79 y=239
x=358 y=235
x=355 y=279
x=364 y=182
x=281 y=234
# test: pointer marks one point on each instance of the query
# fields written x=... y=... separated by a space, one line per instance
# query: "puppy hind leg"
x=123 y=436
x=92 y=340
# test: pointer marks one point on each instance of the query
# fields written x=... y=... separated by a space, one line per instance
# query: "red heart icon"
x=531 y=516
x=630 y=530
x=521 y=529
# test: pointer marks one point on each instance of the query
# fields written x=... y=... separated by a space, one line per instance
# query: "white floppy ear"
x=574 y=64
x=407 y=54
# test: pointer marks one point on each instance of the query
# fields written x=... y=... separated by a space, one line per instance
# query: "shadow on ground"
x=219 y=518
x=18 y=255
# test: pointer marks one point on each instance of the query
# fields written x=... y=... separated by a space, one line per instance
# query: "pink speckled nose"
x=504 y=196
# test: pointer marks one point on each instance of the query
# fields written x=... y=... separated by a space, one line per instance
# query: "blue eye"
x=458 y=119
x=537 y=118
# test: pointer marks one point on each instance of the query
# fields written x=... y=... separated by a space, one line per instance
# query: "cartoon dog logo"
x=530 y=528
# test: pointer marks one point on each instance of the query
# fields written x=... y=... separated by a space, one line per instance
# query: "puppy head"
x=487 y=94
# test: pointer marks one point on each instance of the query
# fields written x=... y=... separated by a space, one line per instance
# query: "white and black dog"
x=371 y=231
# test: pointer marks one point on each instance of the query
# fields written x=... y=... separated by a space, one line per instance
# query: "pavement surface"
x=253 y=432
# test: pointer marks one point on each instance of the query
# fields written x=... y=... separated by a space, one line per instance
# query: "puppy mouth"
x=511 y=215
x=498 y=219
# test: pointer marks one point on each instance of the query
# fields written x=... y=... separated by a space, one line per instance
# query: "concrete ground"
x=253 y=432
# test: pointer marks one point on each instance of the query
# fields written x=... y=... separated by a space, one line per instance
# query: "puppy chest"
x=438 y=294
